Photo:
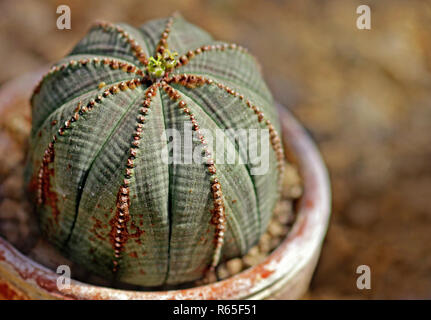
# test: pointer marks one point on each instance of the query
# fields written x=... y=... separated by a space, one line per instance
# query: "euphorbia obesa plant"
x=104 y=195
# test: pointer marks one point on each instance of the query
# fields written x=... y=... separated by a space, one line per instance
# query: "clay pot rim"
x=313 y=211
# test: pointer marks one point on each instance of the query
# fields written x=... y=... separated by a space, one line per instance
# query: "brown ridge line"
x=163 y=42
x=136 y=48
x=112 y=63
x=191 y=81
x=119 y=234
x=218 y=211
x=184 y=59
x=43 y=185
x=44 y=193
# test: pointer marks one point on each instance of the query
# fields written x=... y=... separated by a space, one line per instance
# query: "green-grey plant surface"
x=103 y=193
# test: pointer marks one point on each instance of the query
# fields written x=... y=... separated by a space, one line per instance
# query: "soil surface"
x=363 y=94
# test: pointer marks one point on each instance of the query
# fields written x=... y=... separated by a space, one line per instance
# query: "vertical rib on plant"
x=104 y=195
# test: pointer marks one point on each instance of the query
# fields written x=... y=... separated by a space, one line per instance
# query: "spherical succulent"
x=106 y=196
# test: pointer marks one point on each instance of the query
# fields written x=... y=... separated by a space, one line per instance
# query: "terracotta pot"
x=285 y=273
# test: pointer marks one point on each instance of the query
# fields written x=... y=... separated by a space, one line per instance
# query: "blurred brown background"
x=363 y=94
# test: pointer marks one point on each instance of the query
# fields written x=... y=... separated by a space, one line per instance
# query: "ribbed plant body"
x=106 y=196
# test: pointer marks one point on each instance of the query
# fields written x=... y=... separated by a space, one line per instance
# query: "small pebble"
x=291 y=179
x=210 y=277
x=222 y=272
x=295 y=192
x=234 y=265
x=253 y=251
x=264 y=243
x=275 y=228
x=251 y=261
